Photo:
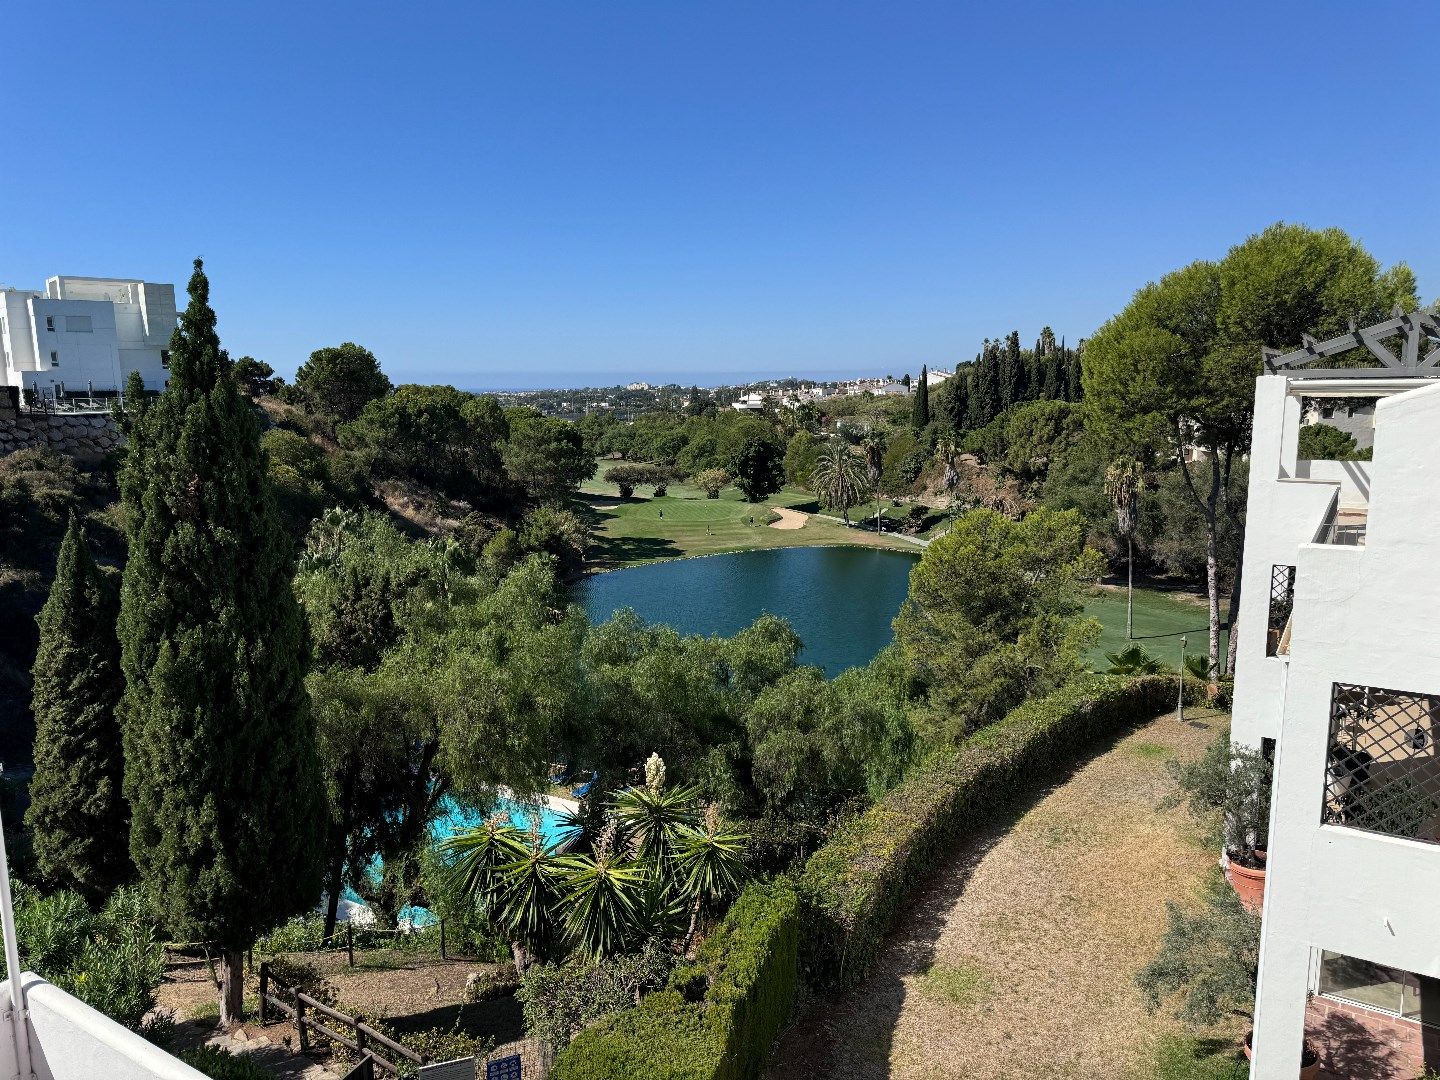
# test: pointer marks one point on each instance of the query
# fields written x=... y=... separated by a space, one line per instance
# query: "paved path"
x=1017 y=959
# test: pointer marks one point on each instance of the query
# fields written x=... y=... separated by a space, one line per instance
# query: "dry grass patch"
x=1039 y=929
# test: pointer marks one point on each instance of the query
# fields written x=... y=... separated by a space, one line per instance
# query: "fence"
x=293 y=1002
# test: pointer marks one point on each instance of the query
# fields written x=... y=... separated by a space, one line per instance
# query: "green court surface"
x=1162 y=618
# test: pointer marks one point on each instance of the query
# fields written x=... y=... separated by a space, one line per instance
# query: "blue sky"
x=539 y=193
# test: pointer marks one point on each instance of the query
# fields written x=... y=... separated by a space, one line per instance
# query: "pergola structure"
x=1416 y=328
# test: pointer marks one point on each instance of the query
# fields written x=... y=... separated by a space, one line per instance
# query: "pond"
x=840 y=600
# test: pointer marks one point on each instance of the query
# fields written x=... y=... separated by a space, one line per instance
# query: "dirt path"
x=789 y=519
x=1017 y=960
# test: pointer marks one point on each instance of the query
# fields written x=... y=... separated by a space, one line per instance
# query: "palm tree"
x=873 y=446
x=1122 y=485
x=711 y=866
x=529 y=890
x=838 y=477
x=948 y=451
x=1132 y=660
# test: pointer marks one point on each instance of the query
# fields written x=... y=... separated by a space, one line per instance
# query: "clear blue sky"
x=556 y=193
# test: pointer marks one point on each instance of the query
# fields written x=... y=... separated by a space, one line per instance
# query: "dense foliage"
x=723 y=1013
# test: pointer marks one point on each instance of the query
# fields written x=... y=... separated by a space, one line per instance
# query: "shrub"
x=484 y=985
x=304 y=933
x=854 y=885
x=222 y=1065
x=561 y=1000
x=744 y=981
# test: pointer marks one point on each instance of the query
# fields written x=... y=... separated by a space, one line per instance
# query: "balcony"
x=1346 y=528
x=1383 y=771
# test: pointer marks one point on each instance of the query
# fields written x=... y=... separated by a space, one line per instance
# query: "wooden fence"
x=301 y=1008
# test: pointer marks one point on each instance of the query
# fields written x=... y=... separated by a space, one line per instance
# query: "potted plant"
x=1229 y=790
x=1208 y=961
x=1309 y=1058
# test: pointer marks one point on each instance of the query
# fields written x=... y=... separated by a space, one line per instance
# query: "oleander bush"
x=722 y=1013
x=852 y=888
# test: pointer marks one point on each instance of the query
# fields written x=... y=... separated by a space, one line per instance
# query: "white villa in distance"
x=86 y=334
x=1338 y=677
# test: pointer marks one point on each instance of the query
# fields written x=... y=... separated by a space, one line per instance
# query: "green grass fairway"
x=685 y=522
x=1161 y=618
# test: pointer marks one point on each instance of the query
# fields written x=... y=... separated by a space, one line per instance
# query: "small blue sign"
x=506 y=1068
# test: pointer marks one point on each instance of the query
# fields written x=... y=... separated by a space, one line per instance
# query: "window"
x=78 y=324
x=1327 y=412
x=1375 y=986
x=50 y=323
x=165 y=358
x=1383 y=773
x=54 y=358
x=1282 y=601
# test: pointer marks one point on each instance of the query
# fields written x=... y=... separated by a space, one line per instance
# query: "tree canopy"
x=341 y=380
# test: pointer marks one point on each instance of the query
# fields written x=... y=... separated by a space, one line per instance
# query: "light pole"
x=1180 y=699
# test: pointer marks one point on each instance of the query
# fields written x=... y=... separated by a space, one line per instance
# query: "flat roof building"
x=84 y=334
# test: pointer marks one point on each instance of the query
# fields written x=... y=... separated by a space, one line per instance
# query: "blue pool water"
x=455 y=818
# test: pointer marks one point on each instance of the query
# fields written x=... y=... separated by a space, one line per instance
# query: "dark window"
x=165 y=358
x=54 y=358
x=50 y=323
x=1383 y=774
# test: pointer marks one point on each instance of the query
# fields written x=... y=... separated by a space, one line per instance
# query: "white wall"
x=71 y=1041
x=1367 y=616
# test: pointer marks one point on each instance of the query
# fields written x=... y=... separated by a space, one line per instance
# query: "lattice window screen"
x=1383 y=773
x=1282 y=600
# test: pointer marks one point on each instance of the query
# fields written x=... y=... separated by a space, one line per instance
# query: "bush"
x=855 y=884
x=222 y=1065
x=304 y=933
x=744 y=980
x=485 y=985
x=561 y=1000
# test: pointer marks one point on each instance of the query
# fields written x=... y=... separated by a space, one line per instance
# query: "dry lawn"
x=1017 y=960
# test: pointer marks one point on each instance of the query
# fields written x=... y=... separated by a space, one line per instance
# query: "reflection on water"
x=839 y=600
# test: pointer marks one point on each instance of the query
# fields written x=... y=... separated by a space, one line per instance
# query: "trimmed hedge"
x=744 y=979
x=852 y=887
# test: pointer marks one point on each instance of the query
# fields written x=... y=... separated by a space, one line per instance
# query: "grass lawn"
x=685 y=522
x=1161 y=618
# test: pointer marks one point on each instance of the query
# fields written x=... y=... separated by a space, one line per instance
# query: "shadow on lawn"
x=499 y=1019
x=613 y=551
x=852 y=1034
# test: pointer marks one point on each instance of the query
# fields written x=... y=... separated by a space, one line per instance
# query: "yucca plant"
x=601 y=899
x=652 y=820
x=529 y=891
x=710 y=866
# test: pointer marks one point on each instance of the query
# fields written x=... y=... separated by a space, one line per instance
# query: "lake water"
x=840 y=600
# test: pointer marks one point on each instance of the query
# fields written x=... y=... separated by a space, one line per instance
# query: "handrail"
x=303 y=1003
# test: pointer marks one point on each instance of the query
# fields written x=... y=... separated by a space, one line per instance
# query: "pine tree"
x=221 y=768
x=920 y=407
x=77 y=815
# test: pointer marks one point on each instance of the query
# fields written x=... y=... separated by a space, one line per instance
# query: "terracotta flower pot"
x=1309 y=1058
x=1248 y=884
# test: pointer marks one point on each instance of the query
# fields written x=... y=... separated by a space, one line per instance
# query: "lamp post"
x=1180 y=699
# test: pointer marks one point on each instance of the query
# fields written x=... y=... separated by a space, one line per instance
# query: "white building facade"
x=84 y=335
x=1338 y=678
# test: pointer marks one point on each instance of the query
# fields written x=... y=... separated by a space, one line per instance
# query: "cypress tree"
x=221 y=770
x=78 y=818
x=920 y=407
x=1012 y=373
x=983 y=395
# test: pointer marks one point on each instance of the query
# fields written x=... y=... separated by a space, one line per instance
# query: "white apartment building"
x=83 y=334
x=751 y=402
x=1338 y=675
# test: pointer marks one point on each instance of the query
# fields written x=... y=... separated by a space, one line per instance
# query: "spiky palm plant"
x=529 y=891
x=601 y=898
x=652 y=821
x=710 y=866
x=1132 y=660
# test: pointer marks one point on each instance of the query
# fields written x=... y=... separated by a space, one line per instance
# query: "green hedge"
x=744 y=982
x=853 y=886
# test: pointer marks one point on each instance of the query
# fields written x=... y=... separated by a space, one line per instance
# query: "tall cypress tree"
x=77 y=815
x=1012 y=372
x=920 y=407
x=221 y=769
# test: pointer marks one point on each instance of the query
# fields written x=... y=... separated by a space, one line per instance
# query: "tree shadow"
x=1349 y=1049
x=851 y=1033
x=500 y=1019
x=612 y=551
